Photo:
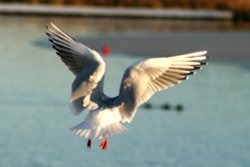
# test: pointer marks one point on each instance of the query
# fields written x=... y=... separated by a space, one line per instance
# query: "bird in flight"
x=140 y=81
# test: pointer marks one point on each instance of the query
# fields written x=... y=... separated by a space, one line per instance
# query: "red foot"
x=104 y=144
x=89 y=143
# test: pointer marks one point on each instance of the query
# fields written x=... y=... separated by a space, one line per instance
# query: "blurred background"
x=203 y=121
x=193 y=4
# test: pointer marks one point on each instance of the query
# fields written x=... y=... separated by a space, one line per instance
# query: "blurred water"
x=213 y=129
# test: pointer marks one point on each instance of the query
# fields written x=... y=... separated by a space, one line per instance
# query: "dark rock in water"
x=241 y=16
x=179 y=107
x=147 y=106
x=166 y=106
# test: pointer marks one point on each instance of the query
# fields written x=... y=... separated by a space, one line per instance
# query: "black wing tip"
x=53 y=46
x=204 y=63
x=197 y=68
x=51 y=40
x=191 y=73
x=50 y=25
x=47 y=27
x=184 y=78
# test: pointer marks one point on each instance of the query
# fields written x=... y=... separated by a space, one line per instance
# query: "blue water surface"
x=212 y=130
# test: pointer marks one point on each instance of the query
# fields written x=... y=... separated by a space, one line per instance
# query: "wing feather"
x=87 y=65
x=145 y=78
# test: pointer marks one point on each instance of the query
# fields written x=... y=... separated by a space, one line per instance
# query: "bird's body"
x=140 y=81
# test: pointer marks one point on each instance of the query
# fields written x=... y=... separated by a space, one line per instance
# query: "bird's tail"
x=83 y=129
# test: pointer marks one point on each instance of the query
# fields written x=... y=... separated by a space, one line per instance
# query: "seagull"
x=140 y=81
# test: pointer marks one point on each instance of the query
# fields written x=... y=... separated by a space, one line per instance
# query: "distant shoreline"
x=27 y=9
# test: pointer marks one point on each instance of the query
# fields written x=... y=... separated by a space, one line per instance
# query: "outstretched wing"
x=87 y=65
x=143 y=79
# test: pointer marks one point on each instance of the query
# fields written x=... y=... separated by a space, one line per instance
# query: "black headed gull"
x=140 y=81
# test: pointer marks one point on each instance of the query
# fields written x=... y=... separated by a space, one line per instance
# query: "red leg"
x=89 y=143
x=104 y=144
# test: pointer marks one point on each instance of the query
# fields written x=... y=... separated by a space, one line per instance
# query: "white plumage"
x=100 y=124
x=140 y=81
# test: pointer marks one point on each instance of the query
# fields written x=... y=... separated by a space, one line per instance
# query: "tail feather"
x=84 y=130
